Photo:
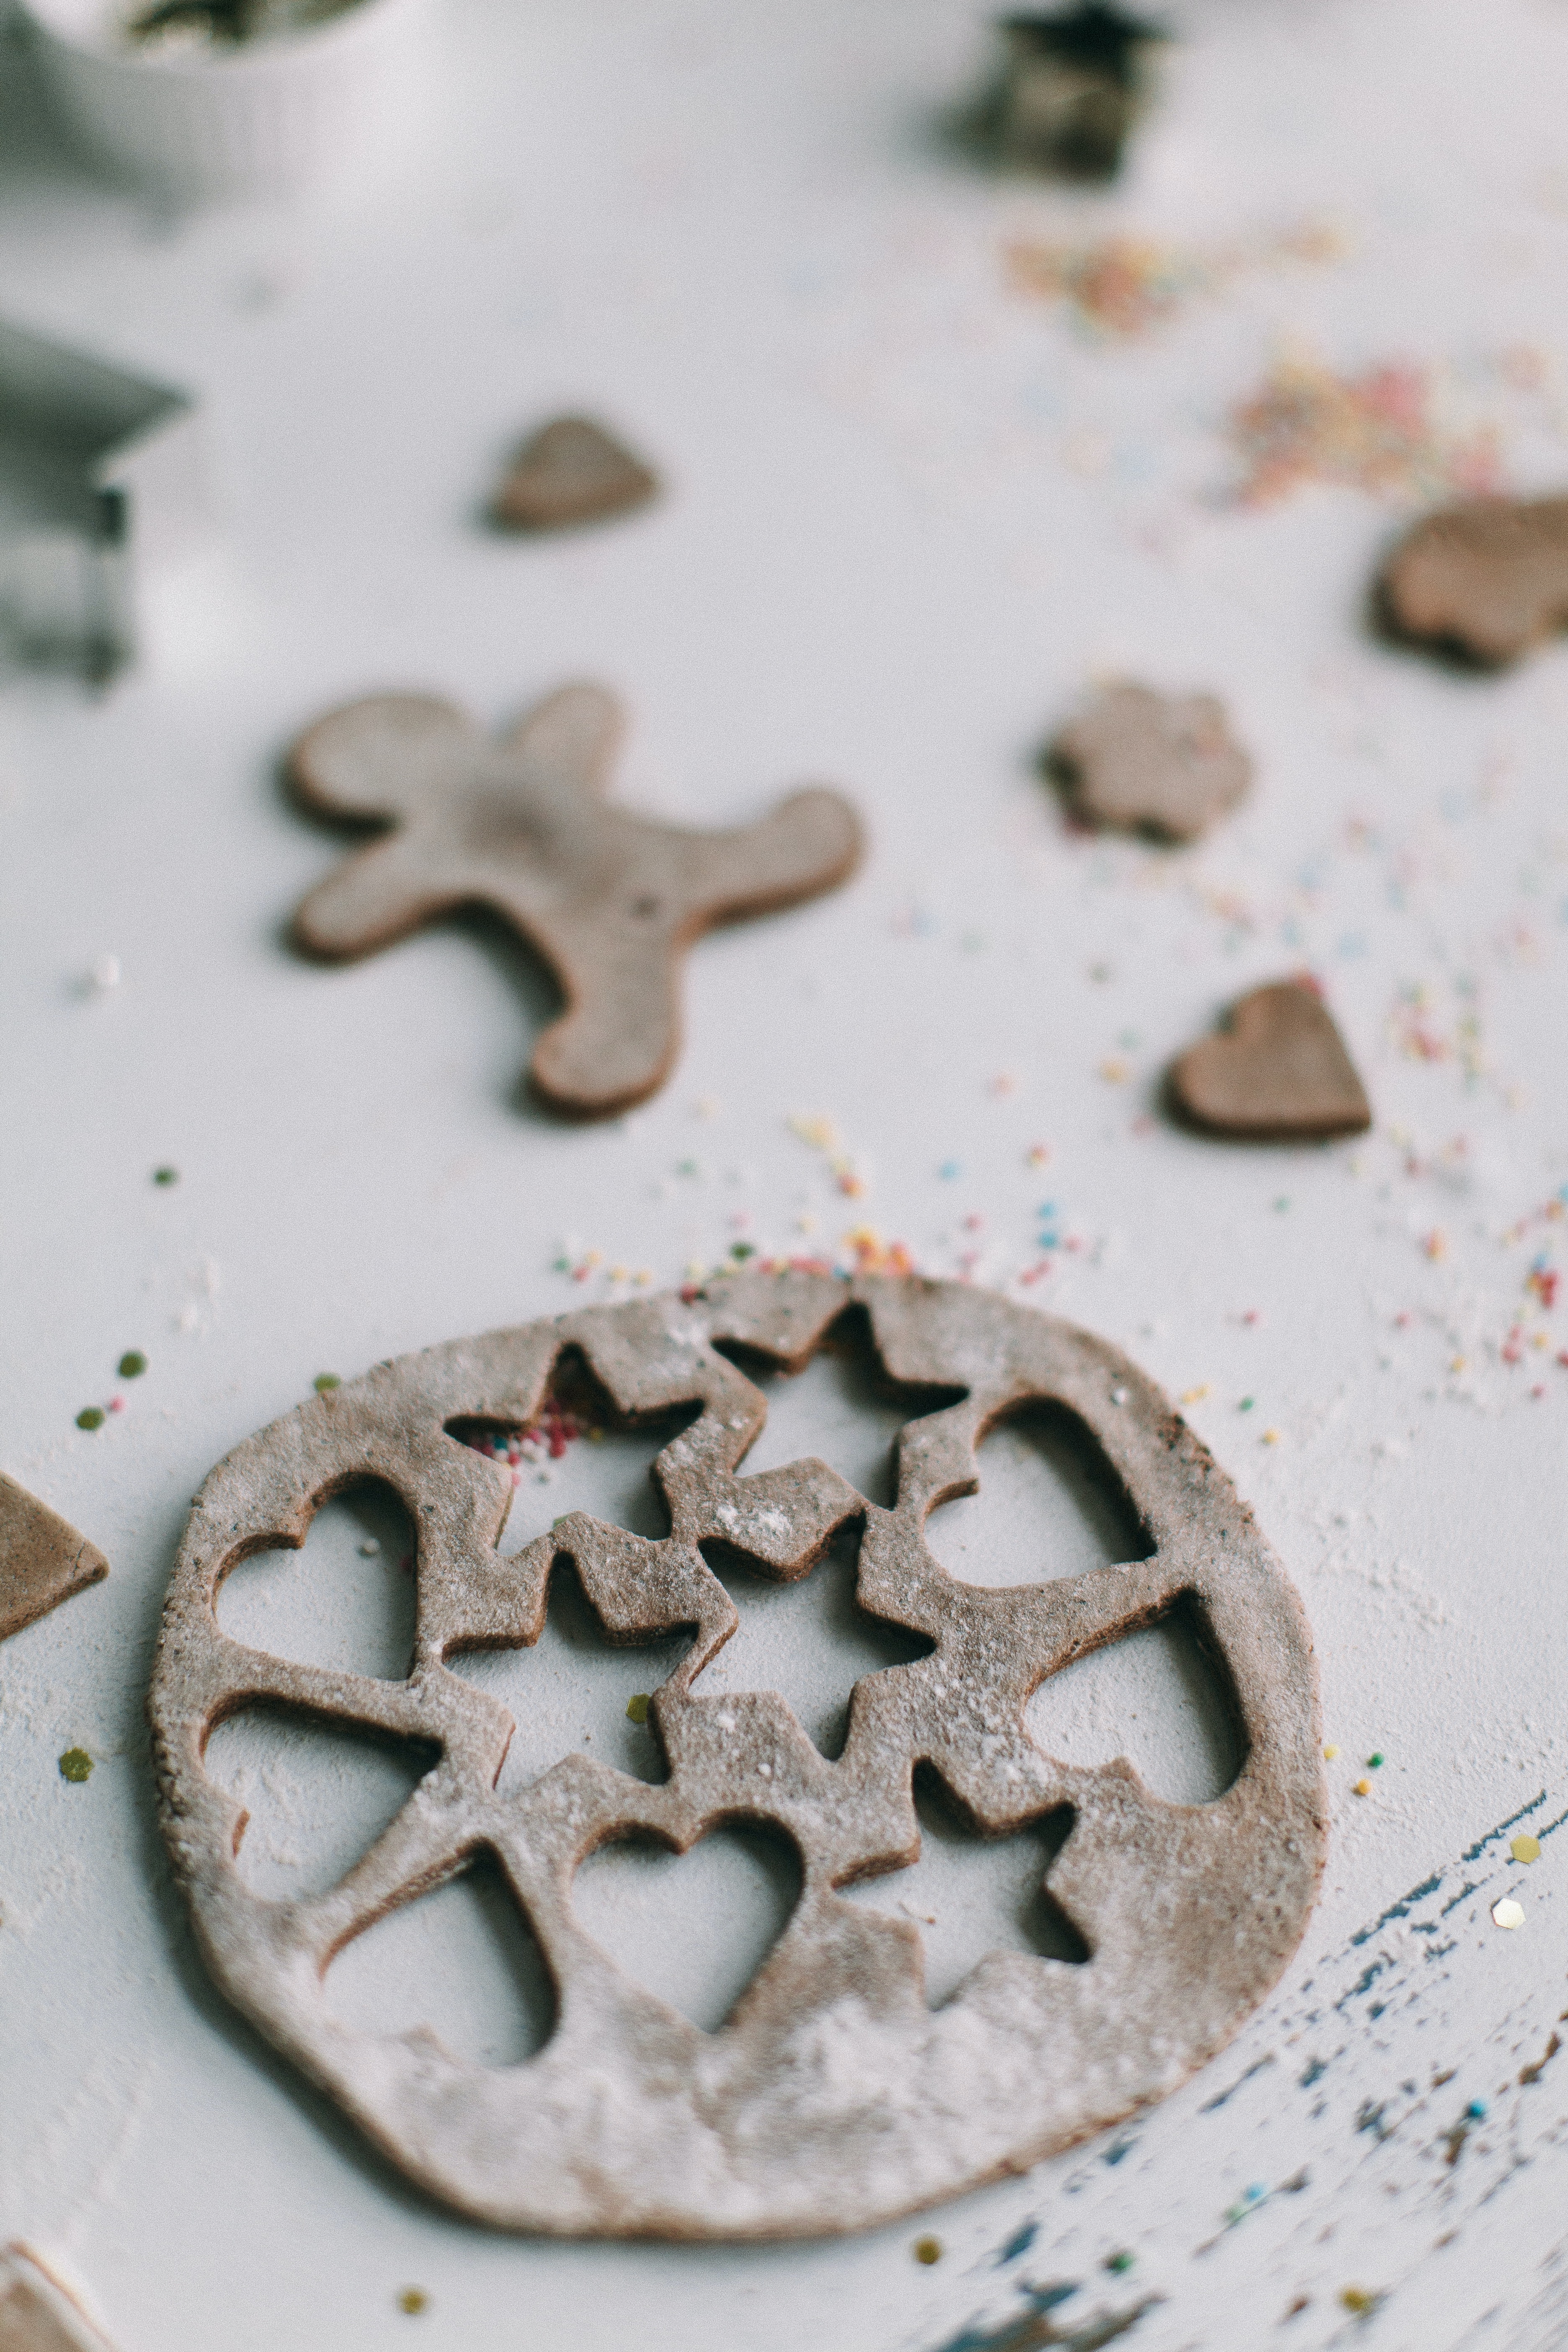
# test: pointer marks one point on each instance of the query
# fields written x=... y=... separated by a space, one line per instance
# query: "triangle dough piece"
x=37 y=2314
x=43 y=1561
x=572 y=471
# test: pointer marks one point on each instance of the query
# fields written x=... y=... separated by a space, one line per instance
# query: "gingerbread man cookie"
x=833 y=2096
x=611 y=901
x=43 y=1560
x=1140 y=761
x=1487 y=579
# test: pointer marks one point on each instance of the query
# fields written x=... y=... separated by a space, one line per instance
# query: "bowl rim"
x=347 y=25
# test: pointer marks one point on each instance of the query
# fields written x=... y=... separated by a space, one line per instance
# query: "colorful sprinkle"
x=133 y=1364
x=91 y=1416
x=166 y=1175
x=637 y=1708
x=1477 y=2111
x=75 y=1766
x=413 y=2300
x=1356 y=2299
x=1525 y=1849
x=1120 y=2263
x=1375 y=1759
x=1508 y=1913
x=1125 y=286
x=1364 y=1788
x=1374 y=432
x=927 y=2250
x=325 y=1381
x=1330 y=1754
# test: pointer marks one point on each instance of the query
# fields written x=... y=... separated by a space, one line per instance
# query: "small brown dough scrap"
x=1487 y=579
x=43 y=1560
x=610 y=900
x=1278 y=1072
x=572 y=471
x=1144 y=762
x=833 y=2096
x=37 y=2314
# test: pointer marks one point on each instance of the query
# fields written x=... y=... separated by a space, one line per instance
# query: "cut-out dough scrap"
x=1140 y=761
x=572 y=471
x=831 y=2098
x=43 y=1560
x=1278 y=1072
x=37 y=2314
x=610 y=900
x=1489 y=578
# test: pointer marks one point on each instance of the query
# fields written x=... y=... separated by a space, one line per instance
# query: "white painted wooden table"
x=909 y=514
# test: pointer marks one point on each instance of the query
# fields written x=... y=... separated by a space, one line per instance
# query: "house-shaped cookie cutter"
x=101 y=482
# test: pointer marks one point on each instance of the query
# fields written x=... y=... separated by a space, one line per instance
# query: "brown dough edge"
x=711 y=2138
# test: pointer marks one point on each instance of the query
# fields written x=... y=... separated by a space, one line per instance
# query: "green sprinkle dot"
x=1375 y=1759
x=1120 y=2263
x=742 y=1249
x=1282 y=1202
x=133 y=1364
x=76 y=1765
x=637 y=1708
x=927 y=2250
x=91 y=1416
x=413 y=2300
x=166 y=1175
x=323 y=1382
x=1246 y=1405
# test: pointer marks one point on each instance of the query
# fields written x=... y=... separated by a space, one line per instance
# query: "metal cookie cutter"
x=101 y=483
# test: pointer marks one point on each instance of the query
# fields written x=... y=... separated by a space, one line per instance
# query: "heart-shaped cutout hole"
x=1161 y=1698
x=462 y=1961
x=692 y=1929
x=344 y=1599
x=317 y=1794
x=1049 y=1505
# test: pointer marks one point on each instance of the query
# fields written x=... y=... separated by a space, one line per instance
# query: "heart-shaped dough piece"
x=1488 y=579
x=572 y=471
x=1277 y=1074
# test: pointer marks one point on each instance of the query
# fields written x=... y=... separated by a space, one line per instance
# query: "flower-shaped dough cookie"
x=610 y=900
x=833 y=2098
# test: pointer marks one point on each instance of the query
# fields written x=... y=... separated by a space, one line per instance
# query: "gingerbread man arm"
x=391 y=756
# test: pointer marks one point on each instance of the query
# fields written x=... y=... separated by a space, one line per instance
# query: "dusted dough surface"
x=831 y=2098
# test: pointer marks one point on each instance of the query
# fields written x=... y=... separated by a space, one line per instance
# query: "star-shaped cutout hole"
x=808 y=1639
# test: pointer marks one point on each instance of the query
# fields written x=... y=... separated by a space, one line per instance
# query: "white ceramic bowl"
x=258 y=120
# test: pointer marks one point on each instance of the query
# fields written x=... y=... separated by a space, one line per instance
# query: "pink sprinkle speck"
x=116 y=1404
